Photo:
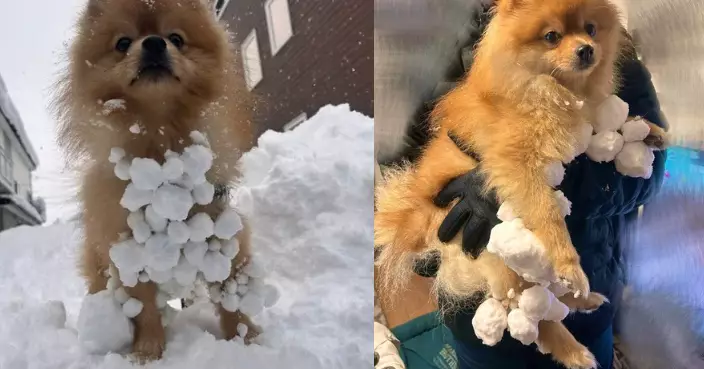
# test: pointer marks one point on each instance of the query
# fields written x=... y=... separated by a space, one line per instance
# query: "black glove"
x=476 y=211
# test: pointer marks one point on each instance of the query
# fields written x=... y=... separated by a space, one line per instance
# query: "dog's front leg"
x=149 y=337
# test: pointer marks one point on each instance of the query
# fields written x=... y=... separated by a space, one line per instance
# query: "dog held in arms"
x=540 y=71
x=174 y=68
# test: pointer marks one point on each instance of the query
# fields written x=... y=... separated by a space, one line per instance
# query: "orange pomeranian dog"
x=172 y=65
x=539 y=72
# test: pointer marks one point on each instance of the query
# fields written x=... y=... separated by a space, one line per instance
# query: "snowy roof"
x=7 y=109
x=24 y=205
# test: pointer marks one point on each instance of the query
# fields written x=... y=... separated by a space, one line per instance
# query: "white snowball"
x=203 y=193
x=535 y=302
x=564 y=203
x=129 y=279
x=122 y=170
x=197 y=161
x=112 y=284
x=214 y=245
x=230 y=302
x=230 y=248
x=156 y=222
x=194 y=252
x=140 y=229
x=132 y=307
x=116 y=154
x=521 y=327
x=170 y=154
x=252 y=304
x=254 y=269
x=121 y=295
x=555 y=173
x=172 y=168
x=604 y=146
x=489 y=322
x=172 y=202
x=242 y=278
x=186 y=182
x=143 y=277
x=178 y=232
x=231 y=286
x=200 y=226
x=635 y=130
x=558 y=311
x=161 y=253
x=242 y=329
x=228 y=224
x=521 y=251
x=215 y=267
x=135 y=198
x=199 y=138
x=506 y=213
x=635 y=160
x=271 y=295
x=242 y=289
x=146 y=174
x=102 y=326
x=611 y=114
x=160 y=276
x=558 y=289
x=185 y=272
x=215 y=293
x=128 y=256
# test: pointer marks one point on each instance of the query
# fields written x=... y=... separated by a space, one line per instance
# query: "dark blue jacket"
x=603 y=201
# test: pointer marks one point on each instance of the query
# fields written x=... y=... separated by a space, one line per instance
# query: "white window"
x=251 y=61
x=278 y=20
x=219 y=6
x=295 y=122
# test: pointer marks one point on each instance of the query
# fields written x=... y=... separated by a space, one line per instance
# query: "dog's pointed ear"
x=508 y=5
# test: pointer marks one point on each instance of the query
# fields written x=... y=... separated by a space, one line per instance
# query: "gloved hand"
x=475 y=210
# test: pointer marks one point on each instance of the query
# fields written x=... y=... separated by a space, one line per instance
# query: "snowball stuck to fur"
x=214 y=245
x=194 y=252
x=172 y=202
x=251 y=304
x=215 y=267
x=199 y=138
x=116 y=154
x=604 y=146
x=506 y=213
x=564 y=203
x=197 y=161
x=172 y=168
x=228 y=224
x=122 y=170
x=635 y=160
x=230 y=248
x=146 y=174
x=178 y=232
x=535 y=302
x=254 y=269
x=215 y=292
x=200 y=226
x=160 y=276
x=558 y=311
x=128 y=256
x=185 y=272
x=156 y=222
x=521 y=251
x=558 y=289
x=132 y=307
x=162 y=255
x=242 y=329
x=231 y=286
x=490 y=321
x=143 y=277
x=121 y=295
x=102 y=326
x=635 y=130
x=610 y=114
x=140 y=229
x=230 y=302
x=521 y=327
x=134 y=198
x=203 y=193
x=555 y=173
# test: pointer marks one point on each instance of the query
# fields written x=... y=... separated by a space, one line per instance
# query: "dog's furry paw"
x=657 y=139
x=148 y=347
x=584 y=305
x=580 y=359
x=572 y=277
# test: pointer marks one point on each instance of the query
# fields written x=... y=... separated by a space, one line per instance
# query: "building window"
x=219 y=6
x=295 y=122
x=251 y=61
x=278 y=20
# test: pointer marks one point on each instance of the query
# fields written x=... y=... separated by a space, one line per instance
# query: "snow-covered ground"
x=309 y=196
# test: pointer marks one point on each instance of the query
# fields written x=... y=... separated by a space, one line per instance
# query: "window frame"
x=295 y=122
x=270 y=26
x=222 y=9
x=251 y=37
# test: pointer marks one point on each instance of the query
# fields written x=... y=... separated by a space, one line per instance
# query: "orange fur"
x=517 y=109
x=206 y=93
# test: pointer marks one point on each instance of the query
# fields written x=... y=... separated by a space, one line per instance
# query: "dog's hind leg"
x=149 y=336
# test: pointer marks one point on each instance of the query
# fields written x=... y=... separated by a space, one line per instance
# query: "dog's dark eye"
x=552 y=37
x=590 y=29
x=176 y=39
x=123 y=44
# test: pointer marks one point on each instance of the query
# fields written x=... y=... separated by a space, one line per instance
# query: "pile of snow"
x=309 y=196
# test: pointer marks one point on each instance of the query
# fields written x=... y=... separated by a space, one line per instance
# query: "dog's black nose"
x=154 y=45
x=585 y=53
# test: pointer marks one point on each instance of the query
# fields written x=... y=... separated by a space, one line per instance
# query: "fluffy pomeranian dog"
x=172 y=64
x=540 y=70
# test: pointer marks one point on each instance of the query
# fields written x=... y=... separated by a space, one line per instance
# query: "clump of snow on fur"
x=521 y=327
x=604 y=146
x=563 y=203
x=112 y=105
x=506 y=213
x=610 y=114
x=535 y=302
x=555 y=173
x=521 y=251
x=116 y=154
x=102 y=325
x=635 y=130
x=635 y=160
x=490 y=321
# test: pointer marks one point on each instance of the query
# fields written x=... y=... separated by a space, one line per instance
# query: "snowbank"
x=308 y=194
